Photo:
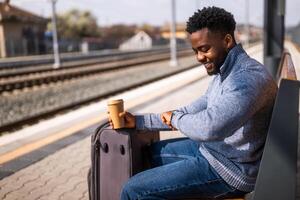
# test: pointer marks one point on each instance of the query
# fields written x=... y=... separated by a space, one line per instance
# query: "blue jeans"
x=179 y=171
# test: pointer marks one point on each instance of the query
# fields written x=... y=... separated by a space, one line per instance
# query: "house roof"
x=179 y=27
x=13 y=13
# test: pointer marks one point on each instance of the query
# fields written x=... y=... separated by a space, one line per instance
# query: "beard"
x=212 y=68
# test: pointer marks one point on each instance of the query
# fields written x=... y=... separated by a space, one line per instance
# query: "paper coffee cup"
x=115 y=107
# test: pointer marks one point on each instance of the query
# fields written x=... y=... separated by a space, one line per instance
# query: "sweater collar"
x=231 y=58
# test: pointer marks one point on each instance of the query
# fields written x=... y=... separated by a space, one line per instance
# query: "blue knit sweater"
x=230 y=121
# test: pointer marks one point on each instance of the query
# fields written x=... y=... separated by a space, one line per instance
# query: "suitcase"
x=116 y=155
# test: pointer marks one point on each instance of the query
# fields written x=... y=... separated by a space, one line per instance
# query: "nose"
x=200 y=57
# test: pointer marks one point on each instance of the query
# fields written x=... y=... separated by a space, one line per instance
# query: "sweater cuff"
x=176 y=115
x=139 y=122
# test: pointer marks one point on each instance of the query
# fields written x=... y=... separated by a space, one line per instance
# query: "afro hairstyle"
x=215 y=19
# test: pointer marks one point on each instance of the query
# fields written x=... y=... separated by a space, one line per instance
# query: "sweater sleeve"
x=150 y=122
x=153 y=122
x=237 y=103
x=196 y=106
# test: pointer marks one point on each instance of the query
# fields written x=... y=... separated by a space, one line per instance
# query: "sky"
x=156 y=12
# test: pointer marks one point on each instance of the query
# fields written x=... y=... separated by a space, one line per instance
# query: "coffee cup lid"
x=114 y=101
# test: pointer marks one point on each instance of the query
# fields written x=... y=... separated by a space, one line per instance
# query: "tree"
x=75 y=24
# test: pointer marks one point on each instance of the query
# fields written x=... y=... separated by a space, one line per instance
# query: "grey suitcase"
x=116 y=155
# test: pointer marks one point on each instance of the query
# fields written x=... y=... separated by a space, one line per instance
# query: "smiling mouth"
x=208 y=66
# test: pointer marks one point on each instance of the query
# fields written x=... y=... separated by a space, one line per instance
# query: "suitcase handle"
x=122 y=149
x=104 y=147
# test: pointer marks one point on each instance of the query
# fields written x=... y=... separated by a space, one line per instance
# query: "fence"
x=24 y=47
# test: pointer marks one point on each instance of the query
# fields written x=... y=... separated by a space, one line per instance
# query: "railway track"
x=31 y=105
x=15 y=71
x=20 y=62
x=11 y=82
x=26 y=65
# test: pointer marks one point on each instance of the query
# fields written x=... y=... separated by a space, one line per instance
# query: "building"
x=180 y=31
x=139 y=41
x=91 y=44
x=21 y=32
x=241 y=35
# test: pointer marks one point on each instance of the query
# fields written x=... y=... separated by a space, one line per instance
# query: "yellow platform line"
x=50 y=139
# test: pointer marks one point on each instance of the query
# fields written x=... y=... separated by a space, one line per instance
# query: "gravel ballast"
x=29 y=103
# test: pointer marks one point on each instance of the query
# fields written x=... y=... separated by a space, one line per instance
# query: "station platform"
x=63 y=173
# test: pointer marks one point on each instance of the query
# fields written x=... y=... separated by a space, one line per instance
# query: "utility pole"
x=247 y=23
x=54 y=35
x=273 y=34
x=173 y=61
x=197 y=3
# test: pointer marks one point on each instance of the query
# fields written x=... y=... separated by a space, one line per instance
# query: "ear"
x=228 y=41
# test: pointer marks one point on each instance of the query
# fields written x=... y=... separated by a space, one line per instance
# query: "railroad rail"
x=14 y=70
x=18 y=62
x=27 y=106
x=46 y=76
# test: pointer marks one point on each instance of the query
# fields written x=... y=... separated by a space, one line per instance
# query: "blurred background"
x=61 y=60
x=26 y=26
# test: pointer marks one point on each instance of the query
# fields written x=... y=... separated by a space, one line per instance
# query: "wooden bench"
x=286 y=68
x=277 y=174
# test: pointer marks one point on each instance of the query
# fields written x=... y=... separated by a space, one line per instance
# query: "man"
x=226 y=128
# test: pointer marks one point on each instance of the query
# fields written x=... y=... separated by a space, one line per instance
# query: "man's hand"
x=166 y=118
x=128 y=118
